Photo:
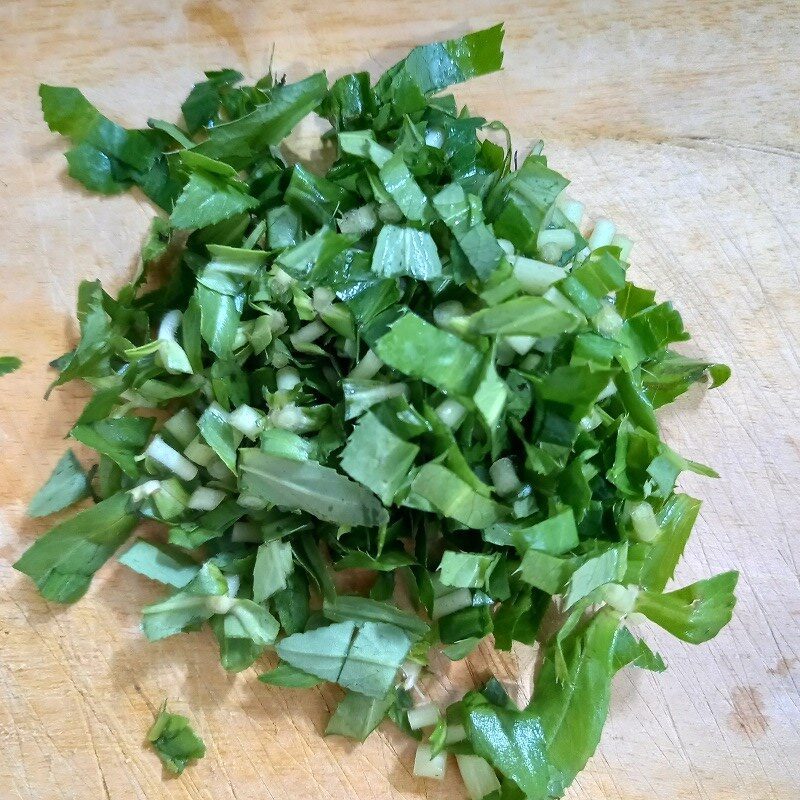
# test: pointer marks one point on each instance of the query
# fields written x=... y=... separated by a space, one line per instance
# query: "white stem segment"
x=451 y=602
x=454 y=734
x=205 y=499
x=603 y=234
x=445 y=312
x=645 y=524
x=506 y=246
x=625 y=245
x=478 y=775
x=182 y=426
x=427 y=767
x=171 y=459
x=290 y=418
x=521 y=344
x=536 y=277
x=367 y=368
x=504 y=477
x=434 y=137
x=572 y=209
x=168 y=329
x=220 y=604
x=607 y=321
x=199 y=452
x=424 y=716
x=247 y=420
x=359 y=220
x=411 y=671
x=322 y=298
x=621 y=598
x=451 y=412
x=287 y=378
x=277 y=321
x=234 y=581
x=144 y=490
x=309 y=333
x=552 y=244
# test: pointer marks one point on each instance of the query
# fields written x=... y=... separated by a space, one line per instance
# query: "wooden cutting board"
x=680 y=121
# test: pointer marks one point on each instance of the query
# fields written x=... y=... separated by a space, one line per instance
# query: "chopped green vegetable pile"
x=415 y=364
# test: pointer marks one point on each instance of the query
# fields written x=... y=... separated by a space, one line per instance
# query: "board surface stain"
x=748 y=715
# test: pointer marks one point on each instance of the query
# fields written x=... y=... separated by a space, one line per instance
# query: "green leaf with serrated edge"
x=307 y=485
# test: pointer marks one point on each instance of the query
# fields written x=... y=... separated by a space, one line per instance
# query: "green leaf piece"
x=67 y=484
x=64 y=560
x=173 y=739
x=311 y=487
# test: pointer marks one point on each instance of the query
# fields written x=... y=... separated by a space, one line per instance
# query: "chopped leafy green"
x=385 y=407
x=290 y=677
x=543 y=747
x=357 y=715
x=697 y=612
x=377 y=458
x=420 y=350
x=210 y=197
x=174 y=740
x=68 y=112
x=9 y=364
x=467 y=570
x=455 y=498
x=67 y=484
x=319 y=652
x=160 y=562
x=363 y=658
x=196 y=602
x=119 y=438
x=309 y=486
x=433 y=67
x=406 y=251
x=242 y=140
x=365 y=609
x=271 y=570
x=63 y=562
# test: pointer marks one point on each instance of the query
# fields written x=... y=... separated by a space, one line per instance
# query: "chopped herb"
x=411 y=363
x=174 y=740
x=9 y=364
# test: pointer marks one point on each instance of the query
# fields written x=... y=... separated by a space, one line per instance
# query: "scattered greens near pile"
x=414 y=364
x=9 y=364
x=174 y=740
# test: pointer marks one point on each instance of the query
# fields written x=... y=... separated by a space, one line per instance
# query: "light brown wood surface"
x=681 y=121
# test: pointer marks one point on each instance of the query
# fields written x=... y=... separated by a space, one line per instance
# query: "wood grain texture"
x=680 y=121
